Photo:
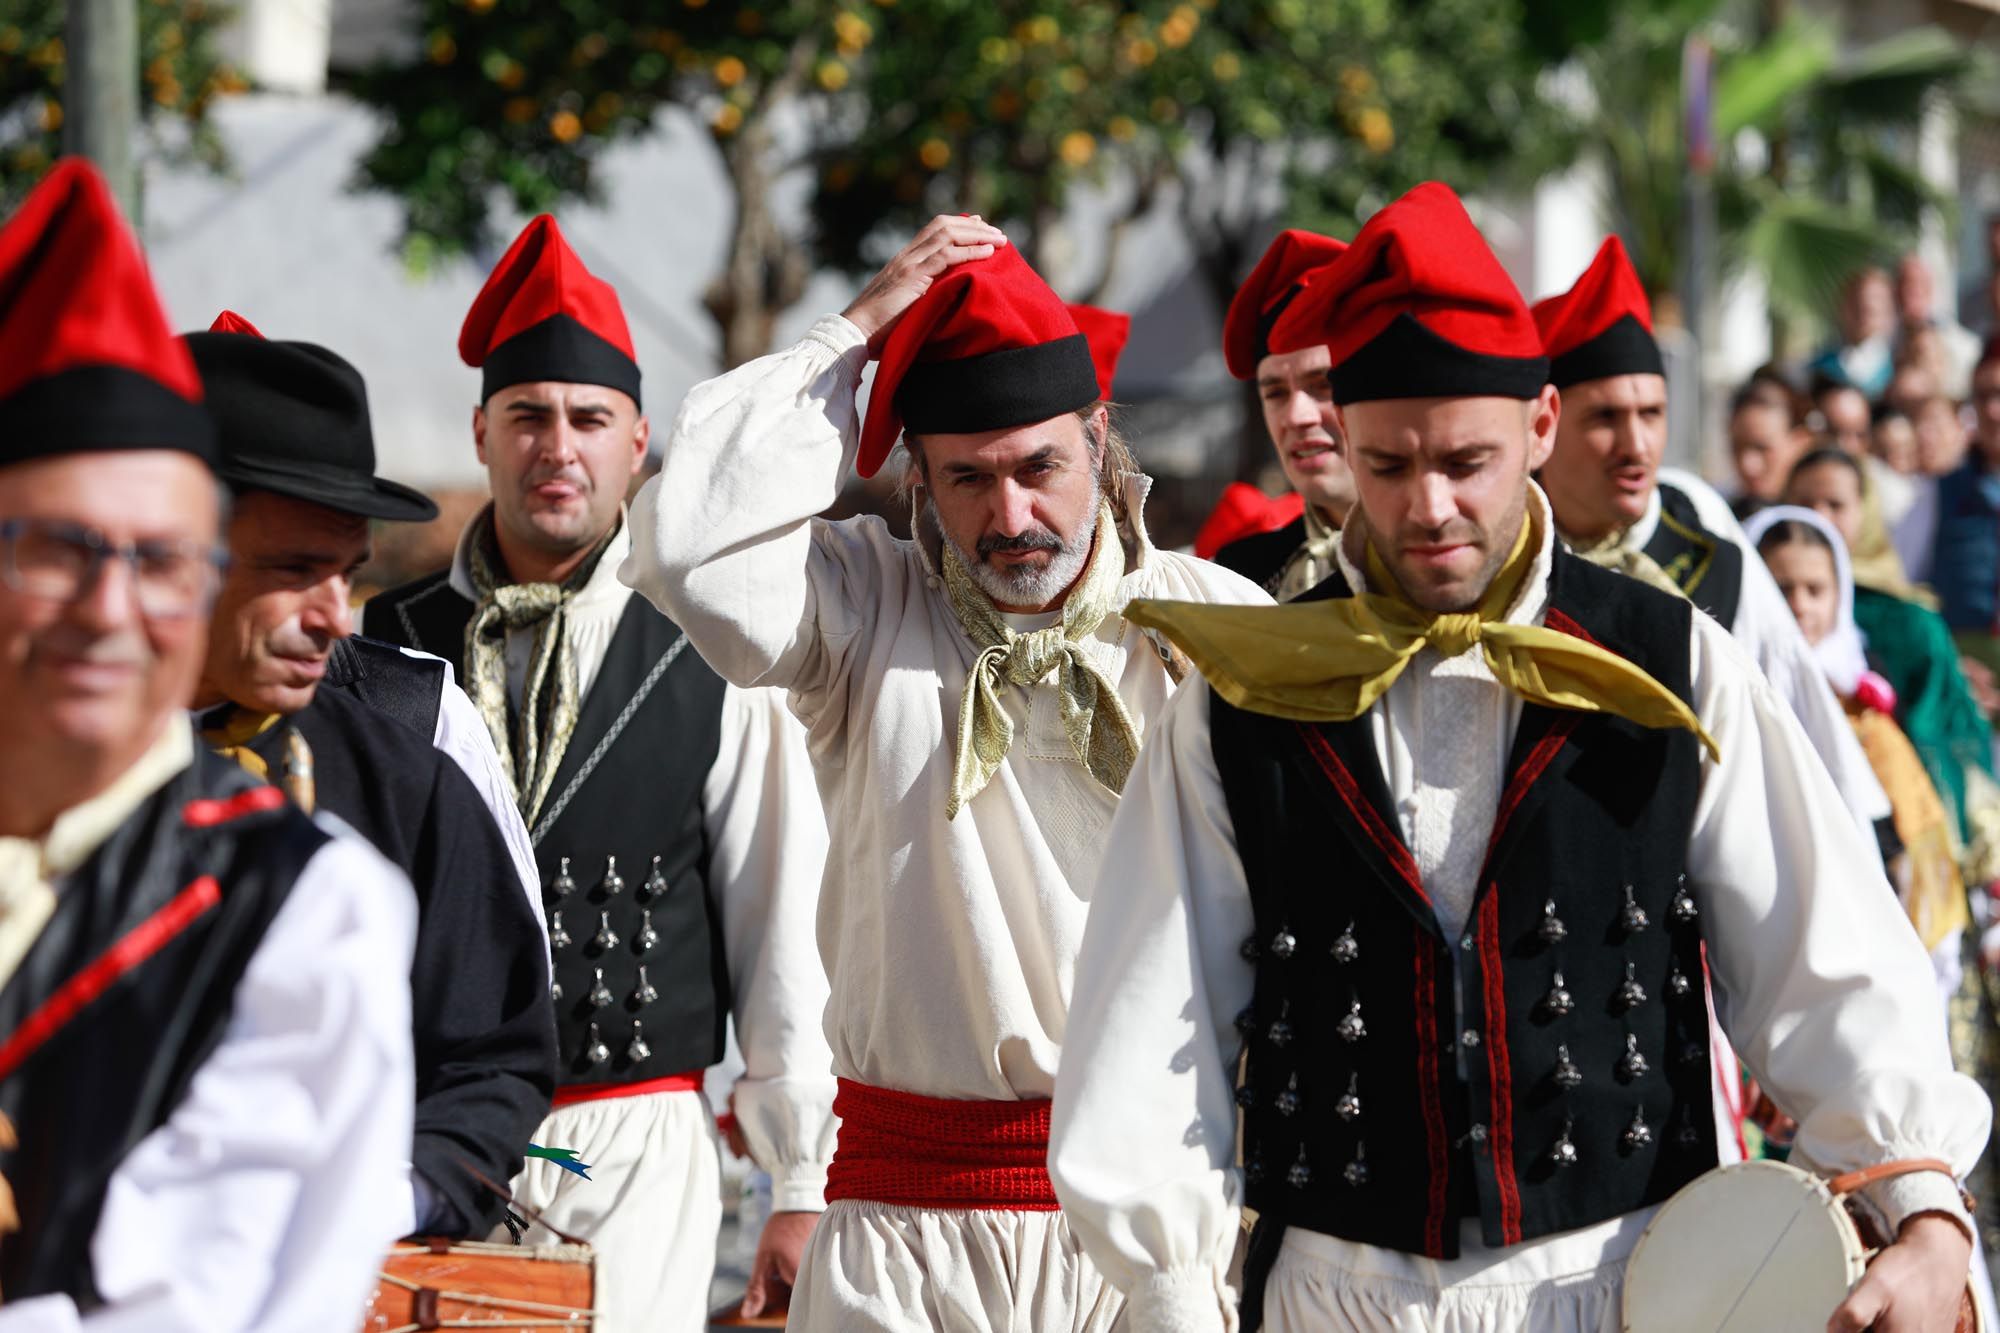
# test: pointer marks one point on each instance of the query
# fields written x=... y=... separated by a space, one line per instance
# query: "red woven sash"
x=933 y=1152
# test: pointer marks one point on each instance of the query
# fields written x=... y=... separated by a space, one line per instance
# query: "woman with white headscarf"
x=1807 y=557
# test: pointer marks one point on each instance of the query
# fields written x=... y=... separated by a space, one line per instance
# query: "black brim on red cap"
x=1407 y=360
x=1625 y=348
x=559 y=348
x=999 y=390
x=96 y=409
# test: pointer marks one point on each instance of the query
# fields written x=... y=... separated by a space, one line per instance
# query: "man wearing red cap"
x=975 y=699
x=674 y=817
x=1617 y=507
x=1438 y=867
x=1298 y=414
x=205 y=1082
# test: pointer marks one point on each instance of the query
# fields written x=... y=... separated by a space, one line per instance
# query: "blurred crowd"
x=1868 y=478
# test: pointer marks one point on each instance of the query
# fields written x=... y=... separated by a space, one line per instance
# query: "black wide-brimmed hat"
x=292 y=418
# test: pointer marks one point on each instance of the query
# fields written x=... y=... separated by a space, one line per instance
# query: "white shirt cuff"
x=1900 y=1198
x=838 y=334
x=1182 y=1300
x=799 y=1187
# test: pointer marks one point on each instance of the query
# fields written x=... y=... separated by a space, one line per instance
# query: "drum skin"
x=484 y=1286
x=1757 y=1247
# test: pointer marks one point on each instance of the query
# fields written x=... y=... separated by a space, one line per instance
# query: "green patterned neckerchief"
x=1093 y=716
x=1612 y=553
x=1314 y=559
x=550 y=697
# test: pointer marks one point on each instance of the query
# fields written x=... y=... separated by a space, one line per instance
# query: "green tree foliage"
x=180 y=77
x=514 y=102
x=1256 y=111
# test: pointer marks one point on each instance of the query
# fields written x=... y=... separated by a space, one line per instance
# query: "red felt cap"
x=988 y=347
x=87 y=359
x=1418 y=307
x=1602 y=326
x=1246 y=329
x=1106 y=331
x=231 y=322
x=1244 y=511
x=543 y=316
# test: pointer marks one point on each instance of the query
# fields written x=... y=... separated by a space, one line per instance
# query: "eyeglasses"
x=61 y=562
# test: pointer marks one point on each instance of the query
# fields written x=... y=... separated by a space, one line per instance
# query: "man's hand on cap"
x=947 y=240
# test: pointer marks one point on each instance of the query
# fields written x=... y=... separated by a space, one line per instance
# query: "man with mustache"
x=1617 y=507
x=1444 y=848
x=204 y=1015
x=975 y=699
x=674 y=819
x=1298 y=414
x=278 y=693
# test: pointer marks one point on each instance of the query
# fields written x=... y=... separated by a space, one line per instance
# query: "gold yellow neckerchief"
x=234 y=731
x=231 y=735
x=1093 y=716
x=1329 y=661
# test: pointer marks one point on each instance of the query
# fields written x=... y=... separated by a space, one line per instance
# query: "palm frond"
x=1807 y=249
x=1755 y=88
x=1898 y=193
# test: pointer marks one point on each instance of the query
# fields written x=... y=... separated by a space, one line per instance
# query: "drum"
x=474 y=1284
x=1757 y=1247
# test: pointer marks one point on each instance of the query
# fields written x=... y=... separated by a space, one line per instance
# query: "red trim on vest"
x=1379 y=833
x=209 y=811
x=1527 y=775
x=1563 y=623
x=138 y=944
x=1499 y=1069
x=934 y=1152
x=1428 y=1095
x=569 y=1094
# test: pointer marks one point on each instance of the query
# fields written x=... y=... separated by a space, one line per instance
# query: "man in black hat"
x=298 y=454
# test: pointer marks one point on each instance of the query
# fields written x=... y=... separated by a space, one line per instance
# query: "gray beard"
x=1025 y=586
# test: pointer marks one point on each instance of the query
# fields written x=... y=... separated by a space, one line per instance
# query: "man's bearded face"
x=1019 y=506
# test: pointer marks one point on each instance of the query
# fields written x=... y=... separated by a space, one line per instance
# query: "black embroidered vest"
x=1706 y=567
x=1545 y=1070
x=116 y=1070
x=620 y=843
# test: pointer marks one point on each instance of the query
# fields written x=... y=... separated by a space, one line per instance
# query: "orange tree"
x=1248 y=113
x=180 y=77
x=514 y=102
x=1242 y=115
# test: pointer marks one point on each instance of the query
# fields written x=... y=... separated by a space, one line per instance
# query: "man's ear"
x=642 y=431
x=479 y=432
x=1543 y=414
x=1099 y=429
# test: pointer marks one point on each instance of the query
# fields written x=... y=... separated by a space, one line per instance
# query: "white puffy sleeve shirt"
x=950 y=946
